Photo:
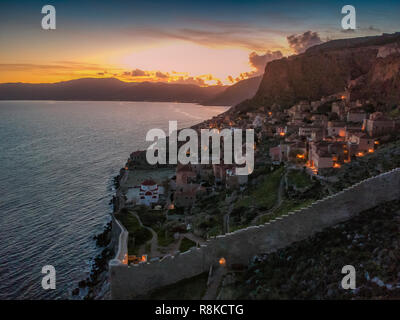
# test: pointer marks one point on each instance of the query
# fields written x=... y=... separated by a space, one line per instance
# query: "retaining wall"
x=128 y=282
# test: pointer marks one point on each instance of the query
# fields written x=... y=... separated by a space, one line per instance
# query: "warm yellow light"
x=300 y=156
x=222 y=261
x=371 y=150
x=336 y=165
x=360 y=154
x=282 y=133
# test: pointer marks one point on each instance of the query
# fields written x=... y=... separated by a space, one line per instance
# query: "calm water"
x=57 y=161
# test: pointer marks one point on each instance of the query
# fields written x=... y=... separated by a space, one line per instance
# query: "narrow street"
x=215 y=282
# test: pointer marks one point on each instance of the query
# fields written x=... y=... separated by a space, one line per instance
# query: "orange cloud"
x=259 y=62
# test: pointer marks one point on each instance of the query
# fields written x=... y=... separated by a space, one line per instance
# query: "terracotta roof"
x=149 y=182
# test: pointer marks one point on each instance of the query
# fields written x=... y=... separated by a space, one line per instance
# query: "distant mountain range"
x=111 y=89
x=108 y=89
x=236 y=93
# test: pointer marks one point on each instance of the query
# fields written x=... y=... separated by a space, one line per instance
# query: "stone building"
x=378 y=125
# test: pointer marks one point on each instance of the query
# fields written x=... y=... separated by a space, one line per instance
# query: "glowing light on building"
x=222 y=262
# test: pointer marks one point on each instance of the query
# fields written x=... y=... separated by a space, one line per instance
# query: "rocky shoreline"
x=96 y=285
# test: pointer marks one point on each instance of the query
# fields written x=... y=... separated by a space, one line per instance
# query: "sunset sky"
x=202 y=42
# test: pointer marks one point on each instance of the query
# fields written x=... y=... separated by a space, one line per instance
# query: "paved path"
x=215 y=282
x=194 y=238
x=153 y=242
x=227 y=215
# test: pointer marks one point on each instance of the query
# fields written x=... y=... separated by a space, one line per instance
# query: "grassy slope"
x=137 y=235
x=265 y=194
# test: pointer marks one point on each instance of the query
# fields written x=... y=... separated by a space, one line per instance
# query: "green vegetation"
x=286 y=207
x=264 y=195
x=150 y=218
x=299 y=179
x=137 y=235
x=129 y=221
x=215 y=231
x=188 y=289
x=165 y=238
x=186 y=244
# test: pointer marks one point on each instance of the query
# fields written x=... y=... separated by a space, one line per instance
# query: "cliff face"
x=327 y=69
x=382 y=82
x=312 y=75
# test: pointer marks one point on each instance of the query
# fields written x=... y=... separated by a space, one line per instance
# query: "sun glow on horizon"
x=183 y=63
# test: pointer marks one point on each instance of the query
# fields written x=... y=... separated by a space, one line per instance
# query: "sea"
x=57 y=163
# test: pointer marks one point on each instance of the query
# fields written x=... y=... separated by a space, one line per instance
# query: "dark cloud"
x=374 y=29
x=301 y=42
x=159 y=74
x=260 y=61
x=138 y=73
x=363 y=30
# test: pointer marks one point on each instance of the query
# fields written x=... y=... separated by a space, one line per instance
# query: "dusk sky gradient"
x=203 y=42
